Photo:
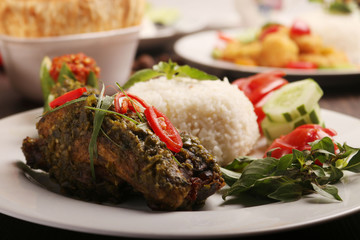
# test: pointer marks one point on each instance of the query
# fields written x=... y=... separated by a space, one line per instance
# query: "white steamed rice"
x=216 y=112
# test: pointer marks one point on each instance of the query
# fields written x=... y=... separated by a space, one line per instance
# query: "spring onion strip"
x=64 y=105
x=112 y=112
x=103 y=103
x=177 y=161
x=108 y=137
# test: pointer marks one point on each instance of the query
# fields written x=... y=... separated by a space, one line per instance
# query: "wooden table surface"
x=343 y=99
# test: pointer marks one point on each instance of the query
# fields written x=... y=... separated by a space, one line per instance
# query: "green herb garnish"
x=46 y=80
x=103 y=104
x=65 y=72
x=293 y=175
x=112 y=112
x=92 y=80
x=170 y=70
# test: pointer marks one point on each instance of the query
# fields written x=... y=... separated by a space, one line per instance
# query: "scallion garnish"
x=113 y=112
x=103 y=104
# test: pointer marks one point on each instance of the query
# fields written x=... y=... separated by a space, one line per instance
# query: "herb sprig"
x=293 y=175
x=104 y=103
x=169 y=70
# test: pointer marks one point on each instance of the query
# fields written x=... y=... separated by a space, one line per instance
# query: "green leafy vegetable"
x=340 y=7
x=141 y=76
x=92 y=80
x=170 y=70
x=46 y=81
x=293 y=175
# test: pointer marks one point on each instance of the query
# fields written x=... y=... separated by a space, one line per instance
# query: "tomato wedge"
x=301 y=65
x=69 y=96
x=299 y=139
x=126 y=103
x=163 y=128
x=268 y=30
x=258 y=88
x=300 y=28
x=258 y=109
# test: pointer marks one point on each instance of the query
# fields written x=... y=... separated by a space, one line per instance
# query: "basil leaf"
x=238 y=164
x=318 y=171
x=328 y=191
x=289 y=191
x=285 y=162
x=256 y=170
x=354 y=163
x=187 y=71
x=299 y=156
x=142 y=76
x=324 y=144
x=229 y=176
x=170 y=70
x=166 y=67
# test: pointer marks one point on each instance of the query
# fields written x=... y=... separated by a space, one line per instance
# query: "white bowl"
x=114 y=51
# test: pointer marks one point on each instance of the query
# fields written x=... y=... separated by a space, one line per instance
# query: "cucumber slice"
x=292 y=101
x=273 y=130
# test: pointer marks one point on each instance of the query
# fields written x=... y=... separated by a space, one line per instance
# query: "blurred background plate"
x=165 y=21
x=196 y=50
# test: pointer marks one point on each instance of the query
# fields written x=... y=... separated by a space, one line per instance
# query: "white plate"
x=29 y=201
x=197 y=48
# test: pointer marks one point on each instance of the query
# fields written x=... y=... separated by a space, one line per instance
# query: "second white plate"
x=197 y=48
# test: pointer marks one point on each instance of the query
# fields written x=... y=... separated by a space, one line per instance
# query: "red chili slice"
x=163 y=128
x=72 y=95
x=126 y=104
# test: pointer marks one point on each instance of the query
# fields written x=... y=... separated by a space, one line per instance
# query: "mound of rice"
x=216 y=112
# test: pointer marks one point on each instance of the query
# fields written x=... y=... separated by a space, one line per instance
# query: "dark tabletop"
x=341 y=98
